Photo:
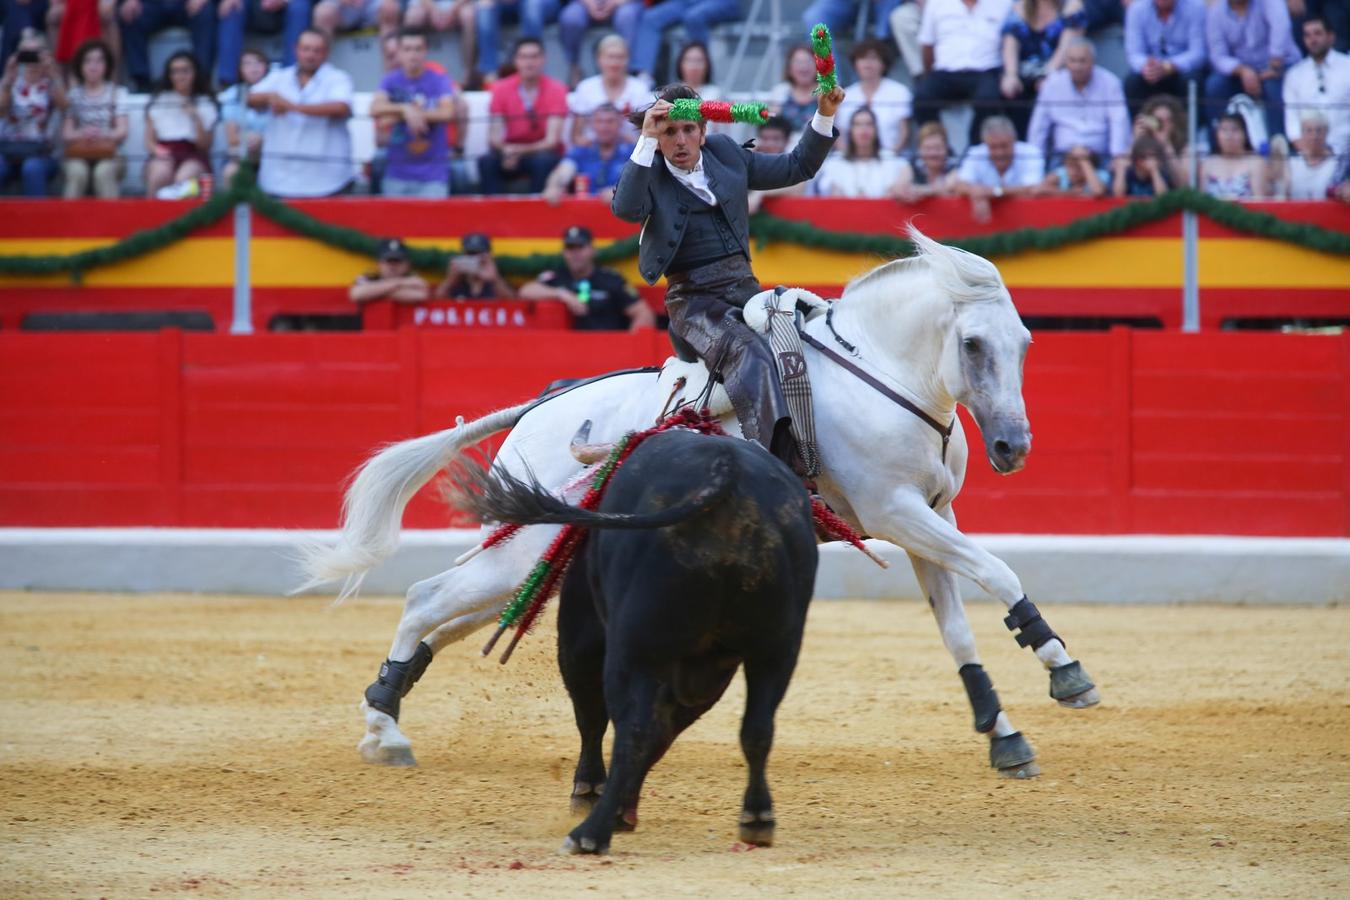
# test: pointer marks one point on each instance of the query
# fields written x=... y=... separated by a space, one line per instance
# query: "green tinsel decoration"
x=822 y=46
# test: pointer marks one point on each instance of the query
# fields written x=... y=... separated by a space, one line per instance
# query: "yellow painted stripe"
x=1107 y=263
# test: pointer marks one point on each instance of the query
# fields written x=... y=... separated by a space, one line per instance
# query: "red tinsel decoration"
x=825 y=66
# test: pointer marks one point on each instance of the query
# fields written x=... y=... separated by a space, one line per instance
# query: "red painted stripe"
x=95 y=218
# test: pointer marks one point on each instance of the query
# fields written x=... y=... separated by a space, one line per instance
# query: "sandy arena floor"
x=206 y=746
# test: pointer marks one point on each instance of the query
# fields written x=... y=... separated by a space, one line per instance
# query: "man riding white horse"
x=693 y=206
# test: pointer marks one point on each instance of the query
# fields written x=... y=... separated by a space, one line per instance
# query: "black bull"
x=654 y=621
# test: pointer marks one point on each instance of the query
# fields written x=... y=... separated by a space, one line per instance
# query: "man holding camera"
x=473 y=274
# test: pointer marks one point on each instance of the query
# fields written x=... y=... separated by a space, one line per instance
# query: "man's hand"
x=280 y=105
x=1154 y=71
x=655 y=119
x=1251 y=82
x=130 y=11
x=1010 y=85
x=415 y=118
x=828 y=104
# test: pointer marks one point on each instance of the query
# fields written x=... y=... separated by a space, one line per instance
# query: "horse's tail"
x=372 y=511
x=497 y=495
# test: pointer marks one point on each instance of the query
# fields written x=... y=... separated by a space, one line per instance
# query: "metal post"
x=243 y=293
x=1190 y=227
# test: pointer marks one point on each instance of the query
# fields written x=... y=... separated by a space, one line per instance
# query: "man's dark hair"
x=670 y=93
x=1321 y=20
x=413 y=33
x=323 y=35
x=776 y=123
x=524 y=42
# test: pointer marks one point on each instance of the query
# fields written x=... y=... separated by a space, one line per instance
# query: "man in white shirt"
x=307 y=151
x=961 y=41
x=1321 y=82
x=1083 y=105
x=1001 y=166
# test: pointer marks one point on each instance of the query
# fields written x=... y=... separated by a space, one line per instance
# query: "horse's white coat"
x=939 y=328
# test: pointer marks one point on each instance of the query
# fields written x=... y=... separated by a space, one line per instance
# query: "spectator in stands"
x=1235 y=172
x=1310 y=172
x=83 y=20
x=592 y=169
x=933 y=173
x=473 y=274
x=19 y=18
x=1165 y=46
x=612 y=86
x=1001 y=166
x=95 y=124
x=598 y=298
x=1250 y=46
x=693 y=67
x=962 y=57
x=865 y=168
x=393 y=280
x=1145 y=173
x=1079 y=175
x=285 y=17
x=1035 y=39
x=1081 y=104
x=527 y=109
x=890 y=101
x=421 y=103
x=578 y=14
x=841 y=15
x=332 y=16
x=794 y=98
x=905 y=20
x=30 y=93
x=1164 y=118
x=698 y=18
x=180 y=125
x=774 y=136
x=307 y=151
x=141 y=19
x=1340 y=182
x=244 y=127
x=1319 y=82
x=445 y=16
x=532 y=15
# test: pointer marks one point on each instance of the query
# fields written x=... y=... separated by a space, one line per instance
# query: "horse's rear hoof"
x=1088 y=698
x=756 y=829
x=376 y=755
x=582 y=846
x=1013 y=757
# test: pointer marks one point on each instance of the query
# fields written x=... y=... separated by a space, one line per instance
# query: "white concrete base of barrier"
x=1107 y=569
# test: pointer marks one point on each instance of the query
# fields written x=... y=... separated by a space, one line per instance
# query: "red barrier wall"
x=1140 y=432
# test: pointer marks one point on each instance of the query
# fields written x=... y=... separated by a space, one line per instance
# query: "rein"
x=944 y=431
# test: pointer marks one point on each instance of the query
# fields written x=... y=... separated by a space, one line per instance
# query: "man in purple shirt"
x=1251 y=43
x=1080 y=104
x=1165 y=44
x=421 y=104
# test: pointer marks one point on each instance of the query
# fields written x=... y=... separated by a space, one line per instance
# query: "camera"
x=28 y=57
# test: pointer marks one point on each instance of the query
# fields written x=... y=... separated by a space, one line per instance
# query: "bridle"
x=944 y=431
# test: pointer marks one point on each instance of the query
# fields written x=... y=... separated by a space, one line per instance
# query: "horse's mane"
x=963 y=276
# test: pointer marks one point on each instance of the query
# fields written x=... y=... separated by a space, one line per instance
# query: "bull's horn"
x=585 y=453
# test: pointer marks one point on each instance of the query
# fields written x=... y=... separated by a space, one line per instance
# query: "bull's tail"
x=372 y=511
x=497 y=495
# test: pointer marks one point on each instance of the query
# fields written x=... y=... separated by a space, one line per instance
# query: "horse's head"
x=983 y=350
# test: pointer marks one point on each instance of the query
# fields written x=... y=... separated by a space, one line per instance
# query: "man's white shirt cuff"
x=823 y=125
x=644 y=151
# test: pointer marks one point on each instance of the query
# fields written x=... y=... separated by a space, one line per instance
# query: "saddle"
x=776 y=315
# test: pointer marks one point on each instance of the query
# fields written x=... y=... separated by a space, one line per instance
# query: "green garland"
x=764 y=228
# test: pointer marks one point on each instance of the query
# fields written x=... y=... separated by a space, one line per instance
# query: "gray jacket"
x=651 y=195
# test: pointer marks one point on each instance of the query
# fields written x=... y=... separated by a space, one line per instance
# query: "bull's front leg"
x=905 y=519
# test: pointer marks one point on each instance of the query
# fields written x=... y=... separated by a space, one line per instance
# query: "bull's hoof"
x=577 y=846
x=626 y=822
x=387 y=755
x=1071 y=686
x=1013 y=757
x=585 y=795
x=756 y=829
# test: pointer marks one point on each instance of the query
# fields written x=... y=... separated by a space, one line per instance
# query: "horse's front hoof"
x=579 y=846
x=387 y=755
x=1088 y=698
x=1071 y=686
x=1013 y=757
x=756 y=829
x=1024 y=771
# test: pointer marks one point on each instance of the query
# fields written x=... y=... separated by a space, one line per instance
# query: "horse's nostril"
x=1002 y=448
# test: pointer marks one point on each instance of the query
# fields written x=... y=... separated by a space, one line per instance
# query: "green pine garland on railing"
x=764 y=228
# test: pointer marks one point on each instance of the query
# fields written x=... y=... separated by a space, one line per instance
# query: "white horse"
x=932 y=331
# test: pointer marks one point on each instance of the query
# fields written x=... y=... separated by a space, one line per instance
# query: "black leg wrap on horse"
x=1035 y=631
x=983 y=700
x=395 y=680
x=1010 y=751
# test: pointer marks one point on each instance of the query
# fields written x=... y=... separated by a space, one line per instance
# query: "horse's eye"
x=972 y=345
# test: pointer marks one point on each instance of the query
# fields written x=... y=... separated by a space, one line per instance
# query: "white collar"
x=682 y=173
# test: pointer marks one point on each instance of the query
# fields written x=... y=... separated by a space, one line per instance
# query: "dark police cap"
x=476 y=243
x=393 y=248
x=577 y=236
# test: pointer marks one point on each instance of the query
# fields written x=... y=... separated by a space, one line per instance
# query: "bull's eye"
x=972 y=346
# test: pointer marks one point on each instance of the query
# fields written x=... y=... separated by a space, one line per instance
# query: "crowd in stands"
x=1046 y=117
